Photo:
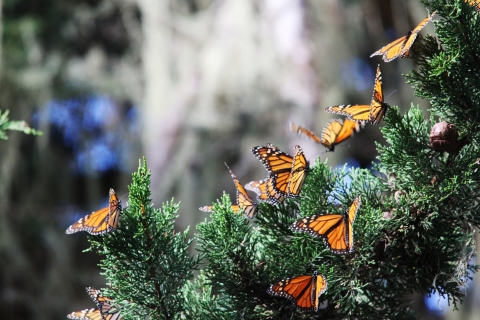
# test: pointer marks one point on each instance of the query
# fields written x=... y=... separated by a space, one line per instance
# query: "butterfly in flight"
x=335 y=131
x=265 y=191
x=104 y=308
x=372 y=113
x=244 y=202
x=401 y=47
x=287 y=173
x=303 y=291
x=335 y=229
x=101 y=221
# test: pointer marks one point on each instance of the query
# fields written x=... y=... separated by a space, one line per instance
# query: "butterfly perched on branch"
x=288 y=173
x=335 y=229
x=101 y=221
x=103 y=311
x=244 y=202
x=303 y=291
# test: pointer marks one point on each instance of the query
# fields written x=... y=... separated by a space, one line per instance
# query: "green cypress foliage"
x=413 y=232
x=147 y=264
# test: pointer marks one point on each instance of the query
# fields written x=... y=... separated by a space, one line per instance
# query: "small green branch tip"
x=6 y=124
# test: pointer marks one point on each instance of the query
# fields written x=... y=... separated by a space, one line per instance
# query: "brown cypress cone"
x=444 y=138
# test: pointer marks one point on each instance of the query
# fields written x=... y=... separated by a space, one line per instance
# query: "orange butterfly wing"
x=265 y=191
x=104 y=305
x=335 y=229
x=243 y=199
x=303 y=291
x=87 y=314
x=412 y=35
x=274 y=160
x=101 y=221
x=337 y=131
x=304 y=132
x=363 y=113
x=378 y=107
x=334 y=132
x=287 y=173
x=299 y=173
x=104 y=311
x=401 y=47
x=357 y=112
x=392 y=50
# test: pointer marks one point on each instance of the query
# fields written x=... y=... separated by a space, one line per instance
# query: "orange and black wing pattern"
x=372 y=113
x=87 y=314
x=401 y=47
x=265 y=191
x=337 y=131
x=104 y=305
x=304 y=132
x=101 y=221
x=354 y=112
x=244 y=201
x=334 y=132
x=335 y=229
x=103 y=312
x=378 y=106
x=300 y=170
x=303 y=291
x=287 y=173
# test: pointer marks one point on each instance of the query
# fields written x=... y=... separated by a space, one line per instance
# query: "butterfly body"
x=401 y=47
x=101 y=221
x=303 y=290
x=372 y=113
x=287 y=173
x=335 y=229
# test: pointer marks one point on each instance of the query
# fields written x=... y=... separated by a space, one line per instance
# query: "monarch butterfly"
x=101 y=221
x=104 y=310
x=334 y=132
x=373 y=113
x=401 y=47
x=244 y=202
x=265 y=191
x=287 y=173
x=336 y=229
x=303 y=291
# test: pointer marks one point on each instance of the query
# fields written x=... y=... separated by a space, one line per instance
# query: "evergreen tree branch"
x=7 y=124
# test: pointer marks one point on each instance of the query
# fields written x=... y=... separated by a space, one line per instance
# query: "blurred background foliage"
x=190 y=84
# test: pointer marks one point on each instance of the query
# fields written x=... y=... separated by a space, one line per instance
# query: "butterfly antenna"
x=390 y=94
x=315 y=155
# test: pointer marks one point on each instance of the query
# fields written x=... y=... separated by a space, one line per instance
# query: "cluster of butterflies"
x=286 y=175
x=99 y=222
x=285 y=180
x=338 y=130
